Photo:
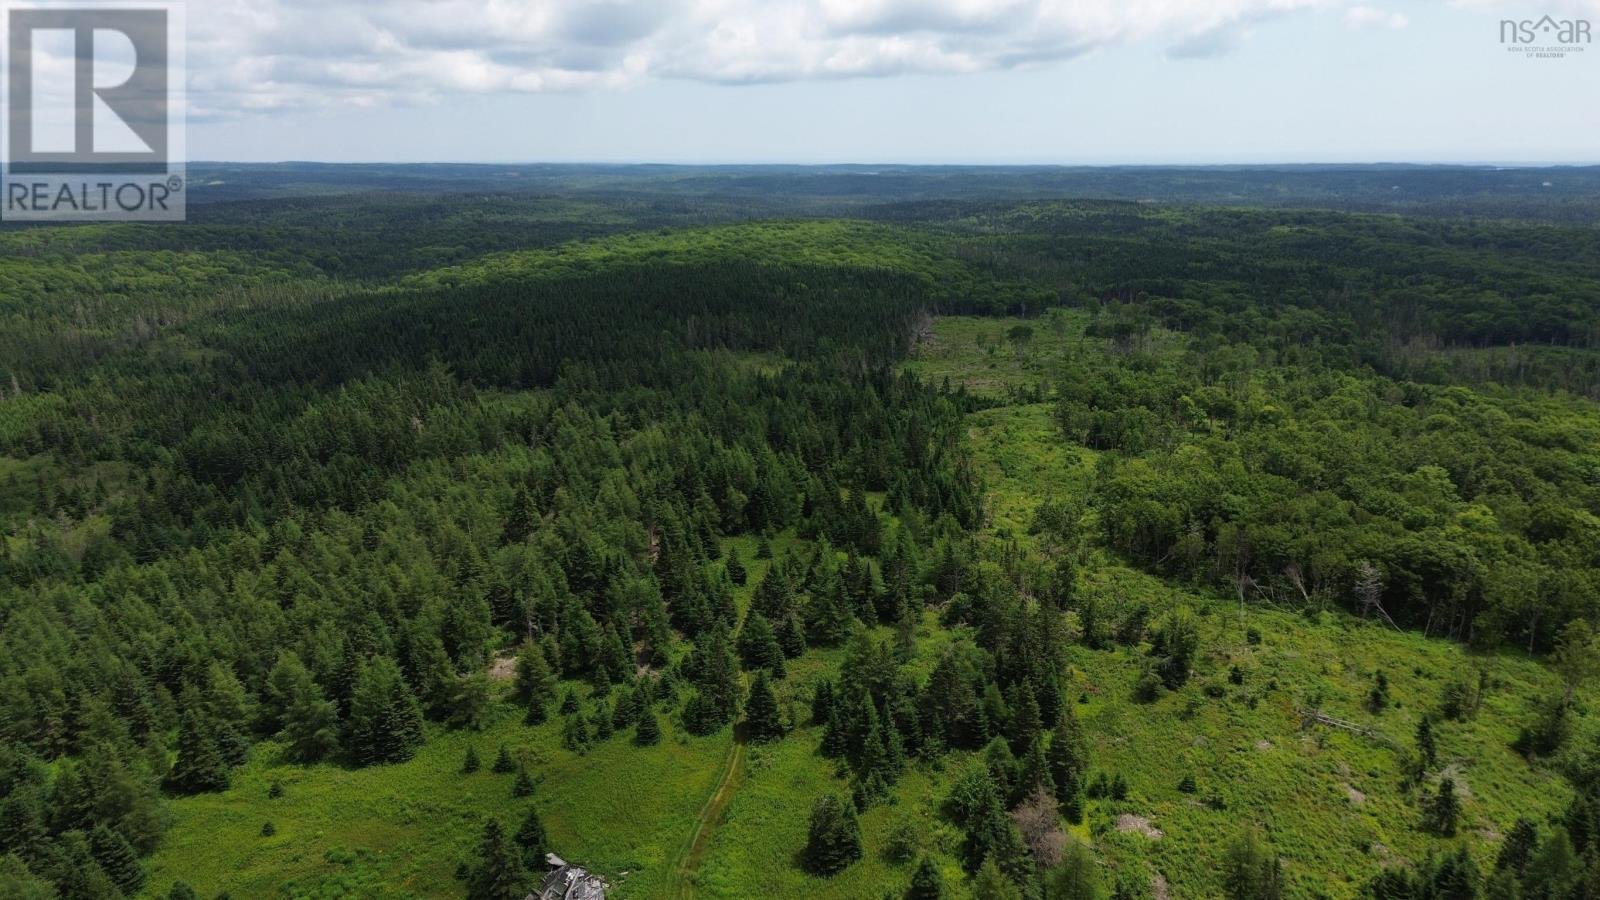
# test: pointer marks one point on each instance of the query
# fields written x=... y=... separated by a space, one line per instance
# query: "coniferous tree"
x=521 y=518
x=523 y=785
x=833 y=838
x=117 y=859
x=310 y=720
x=1251 y=871
x=18 y=882
x=200 y=766
x=532 y=841
x=1077 y=877
x=763 y=722
x=471 y=763
x=500 y=874
x=1518 y=847
x=1444 y=809
x=989 y=883
x=758 y=646
x=1378 y=697
x=1427 y=750
x=503 y=764
x=736 y=570
x=575 y=733
x=1068 y=760
x=385 y=721
x=926 y=882
x=648 y=732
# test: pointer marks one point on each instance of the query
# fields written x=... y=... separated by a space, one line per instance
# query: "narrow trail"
x=694 y=852
x=687 y=864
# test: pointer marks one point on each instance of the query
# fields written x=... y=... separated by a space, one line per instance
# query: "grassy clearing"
x=620 y=808
x=1332 y=803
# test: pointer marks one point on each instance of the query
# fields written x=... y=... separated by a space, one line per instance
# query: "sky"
x=886 y=81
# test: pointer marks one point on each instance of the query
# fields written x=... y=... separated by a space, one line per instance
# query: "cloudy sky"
x=995 y=81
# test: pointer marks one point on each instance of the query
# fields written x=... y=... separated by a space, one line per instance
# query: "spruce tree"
x=310 y=721
x=648 y=732
x=1077 y=877
x=833 y=839
x=1068 y=762
x=1444 y=809
x=502 y=762
x=532 y=841
x=758 y=646
x=992 y=884
x=736 y=570
x=523 y=785
x=471 y=763
x=200 y=766
x=521 y=518
x=500 y=874
x=763 y=722
x=926 y=882
x=1427 y=750
x=385 y=721
x=117 y=858
x=1251 y=871
x=575 y=733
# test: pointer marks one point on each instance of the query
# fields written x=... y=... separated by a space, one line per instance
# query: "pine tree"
x=117 y=858
x=648 y=732
x=181 y=891
x=926 y=882
x=200 y=766
x=385 y=721
x=833 y=840
x=499 y=874
x=763 y=722
x=532 y=841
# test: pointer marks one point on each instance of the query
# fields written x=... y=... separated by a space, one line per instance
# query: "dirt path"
x=710 y=815
x=688 y=862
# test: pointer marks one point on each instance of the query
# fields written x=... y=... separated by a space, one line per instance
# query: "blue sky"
x=950 y=81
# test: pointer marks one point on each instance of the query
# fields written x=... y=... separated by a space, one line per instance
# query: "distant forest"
x=295 y=474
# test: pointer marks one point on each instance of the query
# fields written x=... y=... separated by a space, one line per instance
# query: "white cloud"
x=1368 y=17
x=273 y=54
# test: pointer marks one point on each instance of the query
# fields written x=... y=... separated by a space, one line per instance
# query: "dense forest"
x=337 y=482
